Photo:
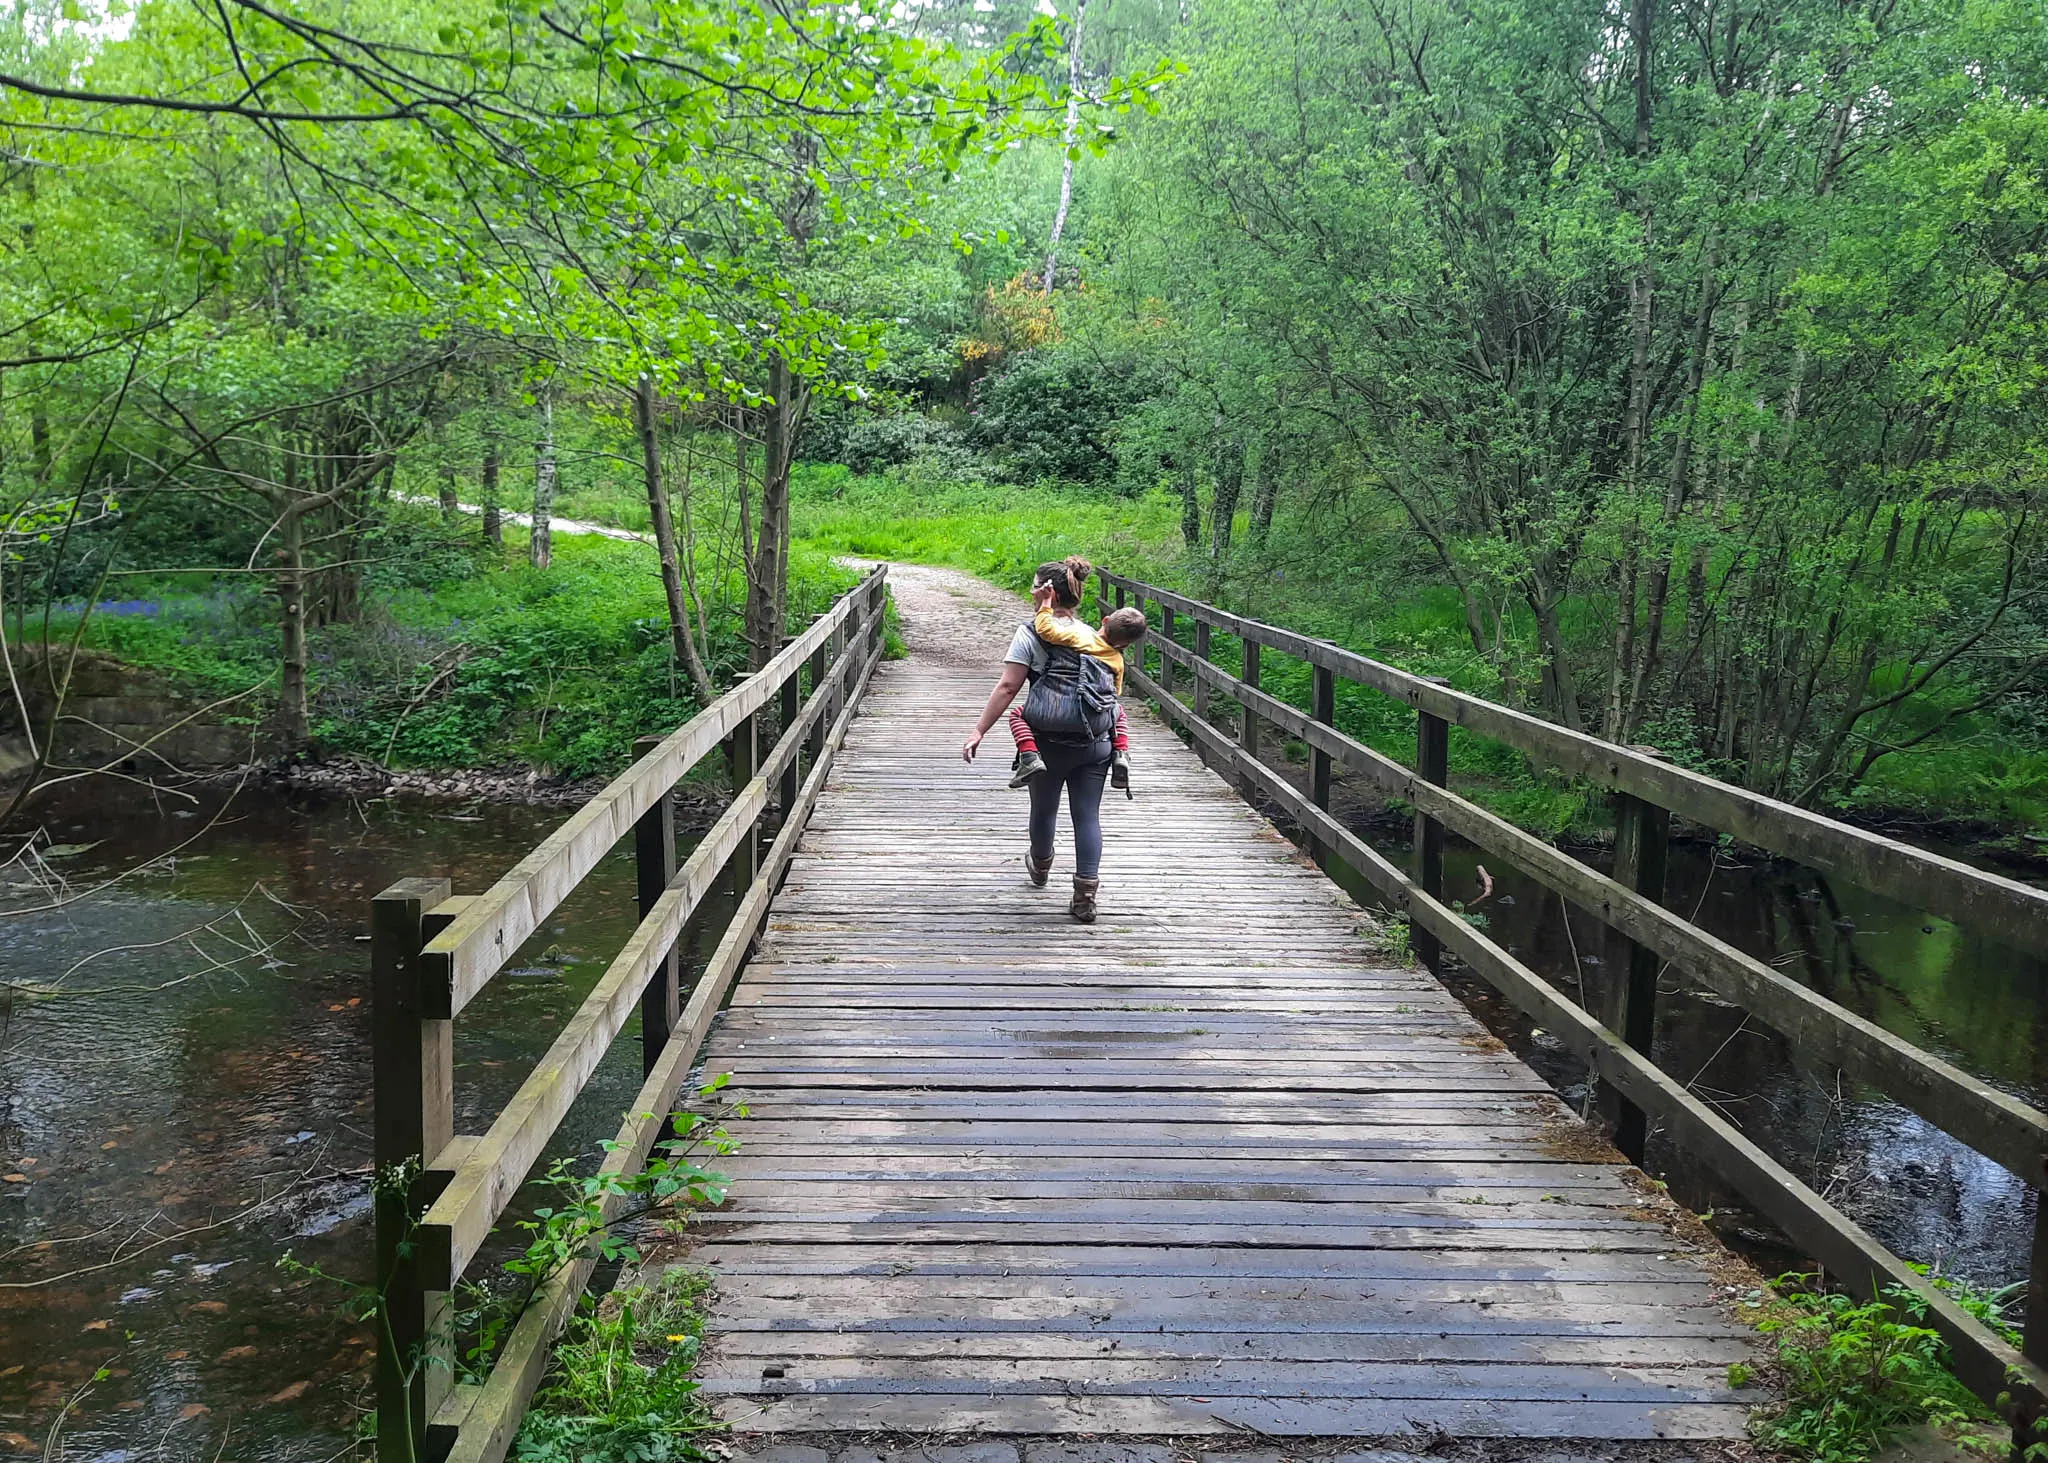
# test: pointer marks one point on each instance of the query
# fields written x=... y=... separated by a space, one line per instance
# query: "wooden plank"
x=1274 y=1417
x=1987 y=1364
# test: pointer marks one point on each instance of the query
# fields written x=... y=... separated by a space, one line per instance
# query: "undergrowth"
x=621 y=1388
x=1857 y=1376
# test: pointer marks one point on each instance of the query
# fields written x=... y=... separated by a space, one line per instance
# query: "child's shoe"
x=1028 y=765
x=1119 y=773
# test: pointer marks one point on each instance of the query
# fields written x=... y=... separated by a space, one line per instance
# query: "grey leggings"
x=1081 y=770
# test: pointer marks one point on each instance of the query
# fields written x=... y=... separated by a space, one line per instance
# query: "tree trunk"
x=1223 y=507
x=1635 y=428
x=1067 y=138
x=684 y=648
x=291 y=604
x=540 y=551
x=1265 y=490
x=768 y=572
x=494 y=527
x=1190 y=509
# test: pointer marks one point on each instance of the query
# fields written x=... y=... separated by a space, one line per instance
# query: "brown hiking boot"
x=1039 y=872
x=1083 y=907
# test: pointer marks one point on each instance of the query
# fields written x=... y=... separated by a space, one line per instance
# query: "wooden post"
x=1248 y=727
x=1165 y=634
x=1201 y=687
x=654 y=865
x=1432 y=765
x=837 y=701
x=1324 y=710
x=790 y=708
x=1642 y=835
x=412 y=1067
x=742 y=759
x=814 y=744
x=2034 y=1338
x=1119 y=596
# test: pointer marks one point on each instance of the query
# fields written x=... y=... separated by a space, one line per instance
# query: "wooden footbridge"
x=1217 y=1164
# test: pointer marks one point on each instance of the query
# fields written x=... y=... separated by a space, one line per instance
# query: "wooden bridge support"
x=414 y=1075
x=1642 y=836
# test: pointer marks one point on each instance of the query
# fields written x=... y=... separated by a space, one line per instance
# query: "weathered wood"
x=1432 y=765
x=493 y=1419
x=786 y=786
x=1995 y=1370
x=2002 y=908
x=460 y=960
x=654 y=865
x=461 y=1218
x=1995 y=1123
x=1166 y=638
x=414 y=1118
x=1248 y=733
x=1017 y=1131
x=1642 y=834
x=1201 y=652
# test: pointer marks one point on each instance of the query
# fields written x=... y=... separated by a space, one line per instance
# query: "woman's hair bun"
x=1078 y=570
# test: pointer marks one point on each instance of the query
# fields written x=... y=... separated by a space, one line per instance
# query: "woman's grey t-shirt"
x=1027 y=650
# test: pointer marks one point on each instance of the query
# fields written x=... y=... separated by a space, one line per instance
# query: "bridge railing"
x=432 y=951
x=1616 y=1040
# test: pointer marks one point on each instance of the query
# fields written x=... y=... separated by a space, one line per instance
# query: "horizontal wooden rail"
x=1992 y=1368
x=432 y=951
x=1995 y=1123
x=489 y=1423
x=463 y=958
x=1990 y=904
x=496 y=1165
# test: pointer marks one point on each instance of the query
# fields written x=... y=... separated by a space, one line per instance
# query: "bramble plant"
x=1857 y=1375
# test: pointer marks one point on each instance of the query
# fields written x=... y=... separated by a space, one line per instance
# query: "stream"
x=184 y=1096
x=191 y=1104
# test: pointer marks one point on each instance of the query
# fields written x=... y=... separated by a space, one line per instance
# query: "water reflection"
x=193 y=1105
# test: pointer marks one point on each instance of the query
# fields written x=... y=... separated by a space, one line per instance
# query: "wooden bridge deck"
x=1208 y=1166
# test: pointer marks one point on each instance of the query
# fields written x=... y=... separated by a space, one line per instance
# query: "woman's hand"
x=972 y=745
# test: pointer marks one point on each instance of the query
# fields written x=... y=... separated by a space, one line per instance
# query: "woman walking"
x=1076 y=767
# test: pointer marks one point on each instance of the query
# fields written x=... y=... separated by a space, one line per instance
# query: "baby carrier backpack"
x=1073 y=700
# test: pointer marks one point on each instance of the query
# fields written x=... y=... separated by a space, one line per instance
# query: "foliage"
x=620 y=1389
x=1857 y=1375
x=1054 y=415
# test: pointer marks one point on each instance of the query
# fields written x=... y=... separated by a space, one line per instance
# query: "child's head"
x=1124 y=627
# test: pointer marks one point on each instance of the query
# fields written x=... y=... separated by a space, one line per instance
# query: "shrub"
x=1055 y=416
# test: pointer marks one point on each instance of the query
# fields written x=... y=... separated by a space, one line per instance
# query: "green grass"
x=487 y=662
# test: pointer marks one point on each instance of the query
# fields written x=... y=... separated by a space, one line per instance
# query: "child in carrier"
x=1120 y=629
